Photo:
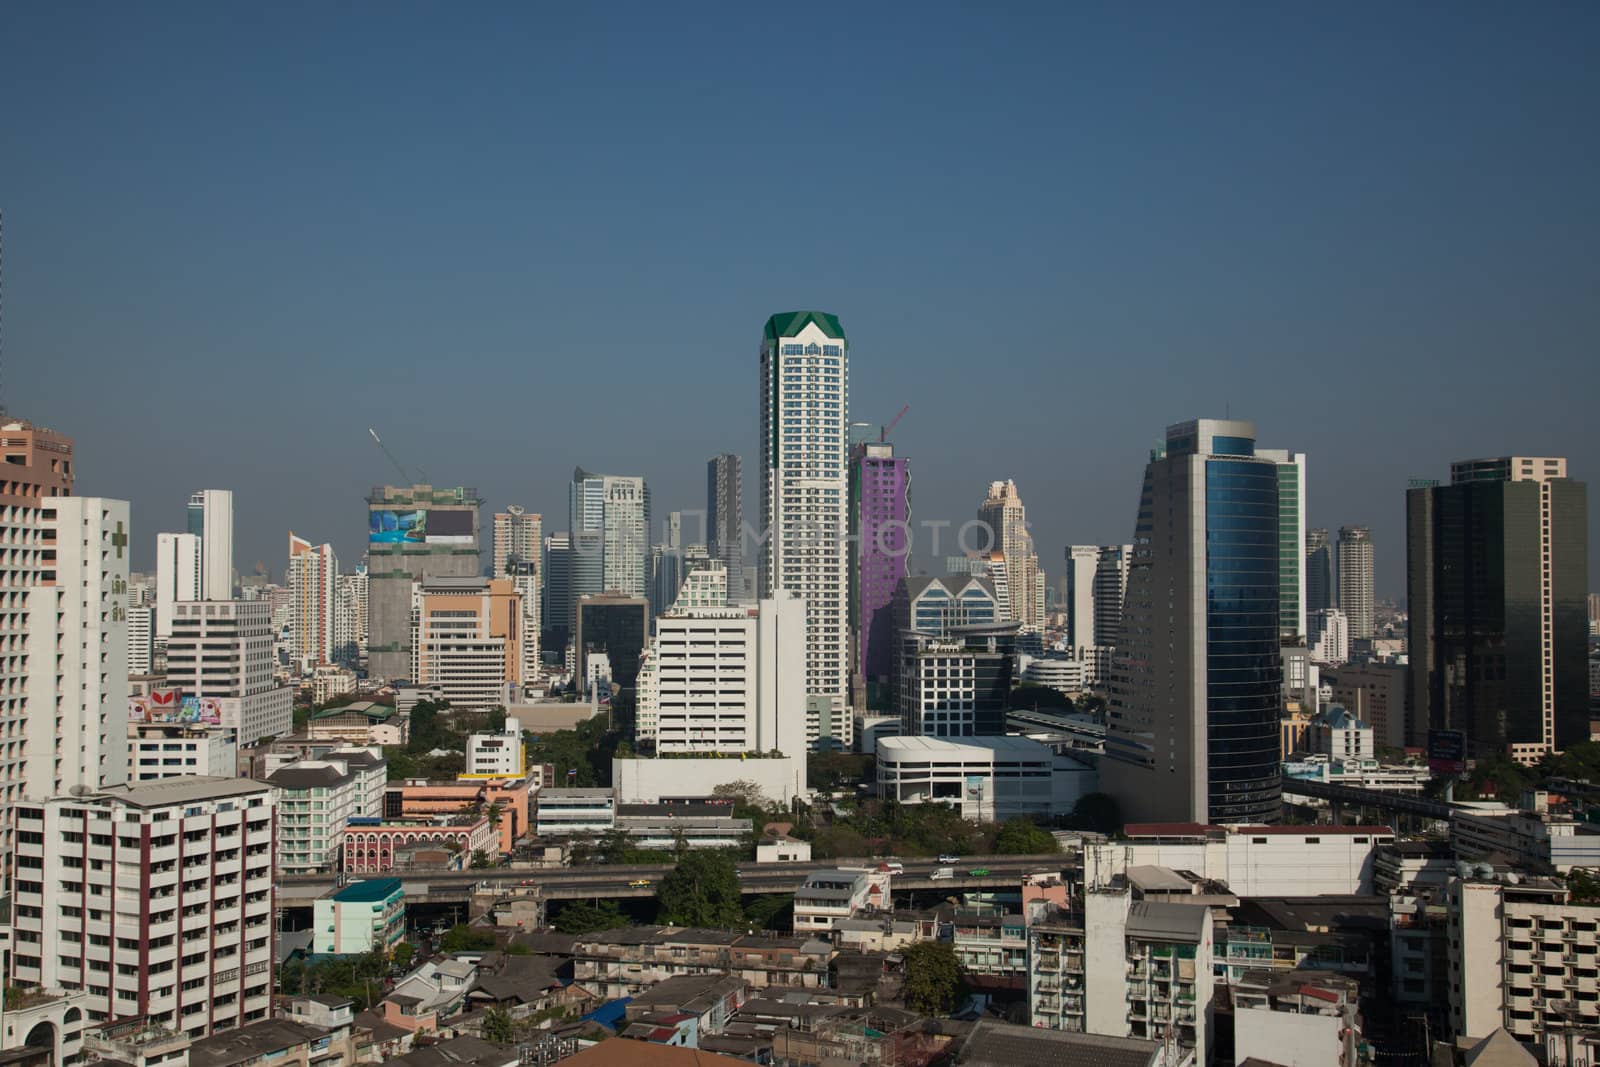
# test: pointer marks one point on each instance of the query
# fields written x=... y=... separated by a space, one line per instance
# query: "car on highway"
x=527 y=881
x=978 y=872
x=945 y=857
x=892 y=867
x=942 y=873
x=639 y=883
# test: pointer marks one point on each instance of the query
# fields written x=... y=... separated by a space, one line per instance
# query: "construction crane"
x=883 y=433
x=411 y=479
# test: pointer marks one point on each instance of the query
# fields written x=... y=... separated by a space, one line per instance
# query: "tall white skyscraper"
x=1355 y=580
x=609 y=527
x=141 y=635
x=177 y=576
x=1097 y=580
x=77 y=726
x=1007 y=520
x=1193 y=726
x=211 y=520
x=805 y=412
x=1291 y=539
x=518 y=536
x=313 y=572
x=350 y=628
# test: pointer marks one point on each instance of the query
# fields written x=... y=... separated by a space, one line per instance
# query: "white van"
x=943 y=873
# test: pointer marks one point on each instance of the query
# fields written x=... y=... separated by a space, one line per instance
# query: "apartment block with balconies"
x=155 y=899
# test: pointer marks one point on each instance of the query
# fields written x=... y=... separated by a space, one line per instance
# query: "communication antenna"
x=419 y=478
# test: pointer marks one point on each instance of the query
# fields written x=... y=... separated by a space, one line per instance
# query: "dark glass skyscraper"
x=1193 y=731
x=1496 y=578
x=1319 y=572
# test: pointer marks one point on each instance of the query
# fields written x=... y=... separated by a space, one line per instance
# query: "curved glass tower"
x=1197 y=681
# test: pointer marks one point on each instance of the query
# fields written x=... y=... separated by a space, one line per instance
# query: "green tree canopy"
x=497 y=1026
x=772 y=913
x=702 y=890
x=481 y=859
x=581 y=917
x=1020 y=837
x=933 y=977
x=464 y=938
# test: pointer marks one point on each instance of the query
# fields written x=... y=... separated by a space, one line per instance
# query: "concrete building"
x=313 y=578
x=518 y=538
x=1007 y=519
x=1253 y=861
x=177 y=577
x=415 y=533
x=525 y=577
x=988 y=779
x=880 y=520
x=1321 y=589
x=1522 y=958
x=616 y=627
x=1058 y=671
x=556 y=603
x=645 y=780
x=1375 y=693
x=328 y=682
x=1532 y=840
x=957 y=684
x=220 y=653
x=466 y=638
x=628 y=961
x=608 y=521
x=76 y=642
x=497 y=755
x=187 y=862
x=141 y=638
x=362 y=723
x=179 y=749
x=1193 y=721
x=805 y=410
x=1355 y=580
x=727 y=680
x=1340 y=735
x=211 y=519
x=1082 y=563
x=1096 y=582
x=350 y=628
x=936 y=606
x=317 y=799
x=573 y=812
x=1291 y=540
x=1496 y=579
x=366 y=916
x=706 y=585
x=1329 y=637
x=725 y=520
x=1304 y=1019
x=375 y=846
x=825 y=897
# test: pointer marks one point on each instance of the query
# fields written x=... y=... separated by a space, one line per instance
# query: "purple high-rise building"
x=880 y=517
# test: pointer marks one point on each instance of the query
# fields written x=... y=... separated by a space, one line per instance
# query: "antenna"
x=411 y=479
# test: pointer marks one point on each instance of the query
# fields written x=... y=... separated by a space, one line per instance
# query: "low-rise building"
x=782 y=848
x=54 y=1023
x=507 y=798
x=573 y=812
x=428 y=995
x=641 y=780
x=1340 y=735
x=329 y=681
x=365 y=916
x=1257 y=860
x=1303 y=1019
x=989 y=779
x=625 y=962
x=1543 y=842
x=684 y=1008
x=497 y=755
x=991 y=947
x=371 y=845
x=827 y=896
x=174 y=749
x=363 y=722
x=280 y=1042
x=1419 y=962
x=693 y=825
x=317 y=800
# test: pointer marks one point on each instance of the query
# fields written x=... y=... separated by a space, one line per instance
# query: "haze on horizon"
x=519 y=239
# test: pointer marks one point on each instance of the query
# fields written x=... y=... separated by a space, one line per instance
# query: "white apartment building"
x=317 y=798
x=569 y=812
x=1355 y=579
x=77 y=643
x=727 y=679
x=328 y=682
x=705 y=585
x=497 y=755
x=180 y=749
x=989 y=779
x=141 y=638
x=1521 y=958
x=518 y=537
x=155 y=899
x=222 y=650
x=1007 y=519
x=211 y=519
x=1329 y=637
x=1255 y=861
x=805 y=409
x=313 y=578
x=177 y=576
x=1082 y=562
x=828 y=896
x=1341 y=736
x=350 y=626
x=528 y=581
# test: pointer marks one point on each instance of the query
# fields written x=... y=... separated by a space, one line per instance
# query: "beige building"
x=1376 y=694
x=466 y=638
x=1003 y=512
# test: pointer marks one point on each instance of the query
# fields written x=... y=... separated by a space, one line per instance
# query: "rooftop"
x=250 y=1043
x=938 y=746
x=165 y=792
x=790 y=323
x=298 y=777
x=370 y=708
x=1160 y=920
x=371 y=890
x=997 y=1044
x=644 y=1054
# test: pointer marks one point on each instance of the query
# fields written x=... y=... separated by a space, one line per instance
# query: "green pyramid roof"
x=790 y=323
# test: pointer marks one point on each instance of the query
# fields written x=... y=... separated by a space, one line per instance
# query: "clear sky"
x=520 y=238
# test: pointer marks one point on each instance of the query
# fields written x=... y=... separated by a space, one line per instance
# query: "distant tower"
x=1355 y=580
x=880 y=517
x=1291 y=540
x=1007 y=520
x=211 y=519
x=518 y=537
x=725 y=518
x=1319 y=572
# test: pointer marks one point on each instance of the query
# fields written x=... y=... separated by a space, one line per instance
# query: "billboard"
x=450 y=526
x=397 y=527
x=138 y=709
x=1447 y=751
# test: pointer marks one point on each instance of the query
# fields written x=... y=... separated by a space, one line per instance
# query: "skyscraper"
x=1110 y=590
x=211 y=520
x=1003 y=512
x=725 y=518
x=608 y=519
x=1320 y=590
x=556 y=607
x=1355 y=580
x=350 y=630
x=178 y=576
x=414 y=533
x=1097 y=579
x=1193 y=730
x=517 y=536
x=880 y=520
x=805 y=409
x=1496 y=578
x=313 y=576
x=1291 y=539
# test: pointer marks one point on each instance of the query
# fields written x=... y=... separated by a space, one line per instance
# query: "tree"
x=933 y=977
x=1033 y=697
x=771 y=913
x=1099 y=812
x=579 y=917
x=1019 y=837
x=497 y=1027
x=404 y=952
x=494 y=721
x=481 y=859
x=702 y=890
x=464 y=938
x=1584 y=887
x=836 y=842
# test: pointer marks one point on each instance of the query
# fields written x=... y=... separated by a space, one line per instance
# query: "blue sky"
x=519 y=238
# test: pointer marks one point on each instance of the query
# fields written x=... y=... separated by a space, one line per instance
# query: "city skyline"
x=265 y=277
